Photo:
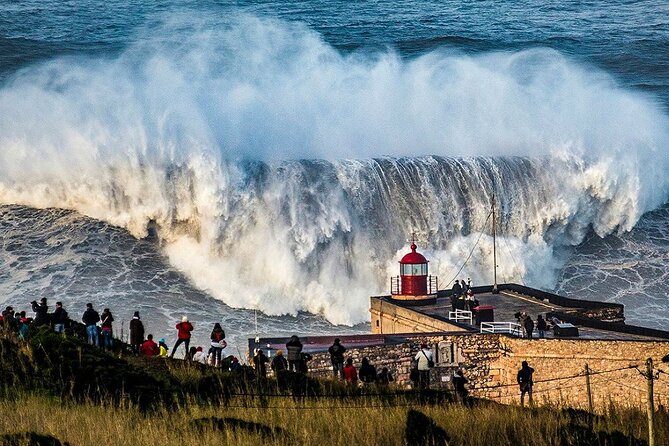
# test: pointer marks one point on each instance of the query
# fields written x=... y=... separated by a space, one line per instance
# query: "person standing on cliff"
x=90 y=319
x=59 y=318
x=294 y=348
x=337 y=351
x=525 y=382
x=528 y=324
x=183 y=336
x=136 y=333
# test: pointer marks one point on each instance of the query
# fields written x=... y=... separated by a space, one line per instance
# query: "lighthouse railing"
x=461 y=315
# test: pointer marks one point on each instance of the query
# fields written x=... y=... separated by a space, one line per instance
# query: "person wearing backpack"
x=425 y=363
x=337 y=351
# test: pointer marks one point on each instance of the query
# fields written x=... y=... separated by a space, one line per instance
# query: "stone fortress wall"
x=491 y=361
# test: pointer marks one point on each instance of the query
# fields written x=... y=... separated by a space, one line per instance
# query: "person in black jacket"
x=528 y=323
x=337 y=351
x=367 y=372
x=459 y=382
x=41 y=312
x=524 y=379
x=59 y=318
x=259 y=361
x=294 y=348
x=541 y=326
x=136 y=333
x=90 y=320
x=279 y=363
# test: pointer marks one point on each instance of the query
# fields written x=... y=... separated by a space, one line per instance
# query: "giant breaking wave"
x=286 y=176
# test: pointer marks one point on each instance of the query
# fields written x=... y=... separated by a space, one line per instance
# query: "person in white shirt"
x=424 y=360
x=200 y=356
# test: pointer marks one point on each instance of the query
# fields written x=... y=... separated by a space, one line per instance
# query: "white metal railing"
x=511 y=328
x=461 y=315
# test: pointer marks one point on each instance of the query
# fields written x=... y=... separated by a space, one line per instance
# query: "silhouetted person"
x=136 y=333
x=384 y=377
x=525 y=382
x=294 y=348
x=529 y=326
x=279 y=362
x=59 y=318
x=107 y=335
x=541 y=326
x=259 y=363
x=90 y=320
x=337 y=351
x=459 y=382
x=367 y=372
x=41 y=312
x=457 y=289
x=183 y=336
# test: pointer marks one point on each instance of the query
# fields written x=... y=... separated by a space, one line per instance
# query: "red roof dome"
x=413 y=257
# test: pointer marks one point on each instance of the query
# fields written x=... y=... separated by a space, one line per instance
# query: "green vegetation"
x=56 y=389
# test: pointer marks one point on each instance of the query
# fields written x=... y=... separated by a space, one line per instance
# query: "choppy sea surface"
x=267 y=161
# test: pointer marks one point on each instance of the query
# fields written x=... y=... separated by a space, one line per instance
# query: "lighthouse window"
x=419 y=269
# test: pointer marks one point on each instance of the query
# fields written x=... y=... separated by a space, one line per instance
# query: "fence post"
x=588 y=388
x=651 y=404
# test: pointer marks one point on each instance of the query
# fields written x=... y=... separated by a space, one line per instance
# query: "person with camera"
x=41 y=312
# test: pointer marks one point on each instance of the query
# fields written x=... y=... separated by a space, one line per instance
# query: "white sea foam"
x=195 y=127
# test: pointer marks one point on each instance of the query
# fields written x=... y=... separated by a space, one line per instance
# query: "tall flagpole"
x=494 y=248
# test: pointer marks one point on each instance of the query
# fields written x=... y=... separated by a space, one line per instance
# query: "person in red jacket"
x=183 y=336
x=149 y=347
x=350 y=372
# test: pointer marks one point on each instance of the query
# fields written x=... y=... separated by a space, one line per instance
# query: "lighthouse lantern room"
x=414 y=285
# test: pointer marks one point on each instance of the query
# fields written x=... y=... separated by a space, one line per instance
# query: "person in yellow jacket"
x=164 y=349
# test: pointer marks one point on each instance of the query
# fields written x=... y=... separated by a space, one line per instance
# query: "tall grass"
x=331 y=422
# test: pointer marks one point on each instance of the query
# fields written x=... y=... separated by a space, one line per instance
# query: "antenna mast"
x=494 y=248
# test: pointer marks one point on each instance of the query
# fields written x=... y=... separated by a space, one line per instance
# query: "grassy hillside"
x=59 y=387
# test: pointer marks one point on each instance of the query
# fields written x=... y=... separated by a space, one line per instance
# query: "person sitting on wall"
x=524 y=379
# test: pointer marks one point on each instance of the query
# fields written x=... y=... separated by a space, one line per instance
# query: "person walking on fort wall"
x=279 y=362
x=41 y=312
x=107 y=338
x=217 y=343
x=136 y=333
x=59 y=318
x=350 y=372
x=183 y=336
x=294 y=348
x=528 y=323
x=425 y=363
x=90 y=320
x=337 y=351
x=525 y=382
x=541 y=326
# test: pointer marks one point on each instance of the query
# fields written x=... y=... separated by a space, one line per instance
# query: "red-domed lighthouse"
x=413 y=285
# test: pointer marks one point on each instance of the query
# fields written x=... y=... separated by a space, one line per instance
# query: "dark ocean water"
x=210 y=118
